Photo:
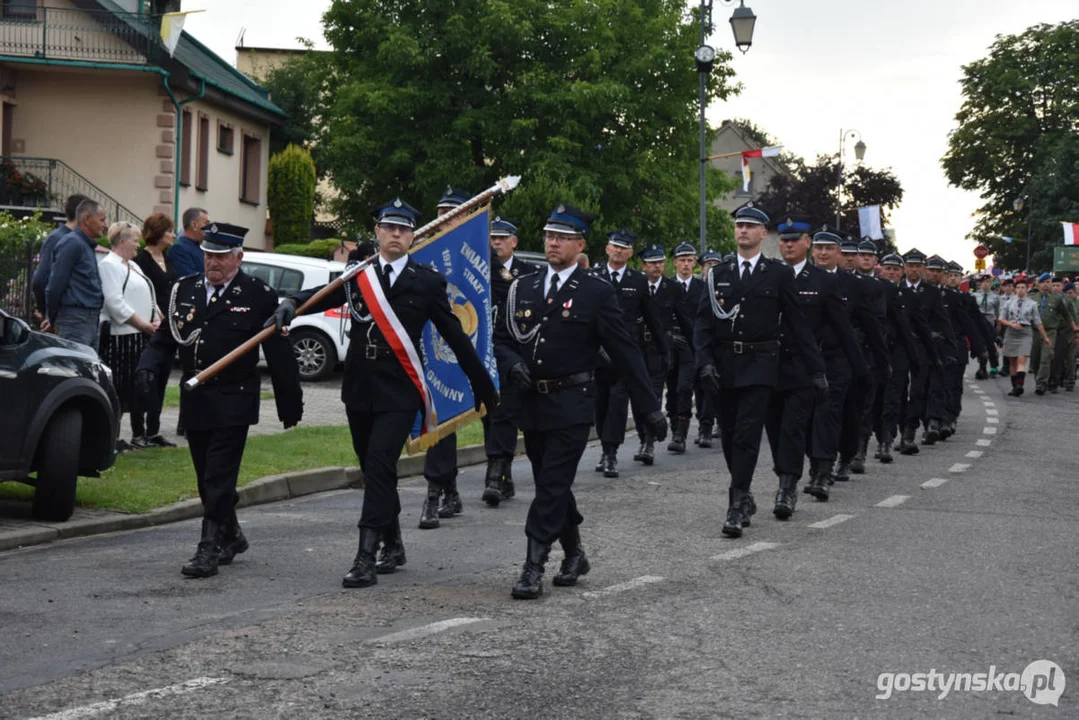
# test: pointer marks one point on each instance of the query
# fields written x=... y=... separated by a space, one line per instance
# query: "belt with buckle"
x=372 y=352
x=543 y=387
x=740 y=348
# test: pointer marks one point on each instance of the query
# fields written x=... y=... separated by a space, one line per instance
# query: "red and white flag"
x=397 y=337
x=747 y=175
x=1071 y=233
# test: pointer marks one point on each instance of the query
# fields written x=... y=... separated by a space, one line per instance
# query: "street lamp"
x=1018 y=205
x=742 y=22
x=859 y=154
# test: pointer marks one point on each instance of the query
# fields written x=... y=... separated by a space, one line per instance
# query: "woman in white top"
x=131 y=315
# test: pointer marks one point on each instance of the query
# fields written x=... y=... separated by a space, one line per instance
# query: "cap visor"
x=209 y=246
x=391 y=220
x=563 y=229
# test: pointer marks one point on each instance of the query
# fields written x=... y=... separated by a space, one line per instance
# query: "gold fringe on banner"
x=429 y=440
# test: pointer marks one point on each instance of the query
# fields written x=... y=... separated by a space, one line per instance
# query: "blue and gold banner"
x=461 y=252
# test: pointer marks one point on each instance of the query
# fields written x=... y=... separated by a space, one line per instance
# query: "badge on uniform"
x=506 y=274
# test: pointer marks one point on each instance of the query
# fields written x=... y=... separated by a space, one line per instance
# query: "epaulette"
x=595 y=275
x=188 y=277
x=428 y=268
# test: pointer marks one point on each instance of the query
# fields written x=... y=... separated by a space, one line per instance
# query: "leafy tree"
x=593 y=102
x=290 y=193
x=1017 y=134
x=298 y=87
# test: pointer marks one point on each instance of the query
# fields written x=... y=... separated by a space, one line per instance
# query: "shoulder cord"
x=194 y=336
x=511 y=313
x=718 y=311
x=351 y=306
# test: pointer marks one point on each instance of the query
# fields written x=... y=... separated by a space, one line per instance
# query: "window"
x=203 y=169
x=251 y=170
x=20 y=9
x=185 y=152
x=225 y=138
x=284 y=280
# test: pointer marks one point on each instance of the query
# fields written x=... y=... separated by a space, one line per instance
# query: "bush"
x=321 y=249
x=20 y=241
x=291 y=195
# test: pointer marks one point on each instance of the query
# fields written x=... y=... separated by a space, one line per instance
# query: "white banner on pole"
x=869 y=220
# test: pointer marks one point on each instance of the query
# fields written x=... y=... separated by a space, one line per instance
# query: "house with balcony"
x=92 y=102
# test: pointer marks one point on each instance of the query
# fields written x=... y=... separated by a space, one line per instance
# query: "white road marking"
x=622 y=587
x=989 y=431
x=429 y=629
x=747 y=550
x=989 y=403
x=893 y=501
x=992 y=420
x=935 y=482
x=834 y=520
x=983 y=443
x=990 y=411
x=139 y=698
x=975 y=454
x=959 y=467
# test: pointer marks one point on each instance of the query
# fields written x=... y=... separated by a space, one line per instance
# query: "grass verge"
x=172 y=396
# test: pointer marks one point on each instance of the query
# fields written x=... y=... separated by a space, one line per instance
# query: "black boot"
x=231 y=541
x=932 y=432
x=451 y=502
x=363 y=573
x=575 y=563
x=981 y=373
x=392 y=555
x=786 y=497
x=429 y=514
x=610 y=460
x=857 y=463
x=842 y=470
x=704 y=435
x=648 y=452
x=749 y=508
x=679 y=429
x=530 y=585
x=507 y=488
x=492 y=482
x=818 y=482
x=907 y=446
x=884 y=449
x=1020 y=382
x=204 y=564
x=639 y=455
x=732 y=526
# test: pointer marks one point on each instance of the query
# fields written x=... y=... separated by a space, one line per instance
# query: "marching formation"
x=825 y=349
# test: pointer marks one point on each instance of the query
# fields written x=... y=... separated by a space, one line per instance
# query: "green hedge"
x=291 y=195
x=322 y=249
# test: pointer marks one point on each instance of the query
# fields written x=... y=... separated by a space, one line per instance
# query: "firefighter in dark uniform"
x=790 y=411
x=381 y=400
x=928 y=390
x=548 y=345
x=666 y=294
x=705 y=399
x=970 y=332
x=736 y=335
x=209 y=315
x=500 y=426
x=643 y=320
x=842 y=365
x=680 y=332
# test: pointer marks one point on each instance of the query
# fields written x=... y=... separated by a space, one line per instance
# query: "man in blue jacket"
x=73 y=296
x=44 y=267
x=185 y=255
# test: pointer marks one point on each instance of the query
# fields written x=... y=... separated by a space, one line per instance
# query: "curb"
x=272 y=488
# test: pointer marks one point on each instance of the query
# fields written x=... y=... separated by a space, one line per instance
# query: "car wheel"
x=315 y=354
x=58 y=467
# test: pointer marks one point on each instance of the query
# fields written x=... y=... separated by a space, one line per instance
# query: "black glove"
x=820 y=385
x=290 y=422
x=283 y=315
x=144 y=383
x=656 y=425
x=680 y=342
x=486 y=396
x=521 y=377
x=710 y=378
x=939 y=365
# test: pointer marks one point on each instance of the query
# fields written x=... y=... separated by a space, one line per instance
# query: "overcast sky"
x=889 y=69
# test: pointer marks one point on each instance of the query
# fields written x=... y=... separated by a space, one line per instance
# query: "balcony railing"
x=63 y=34
x=46 y=183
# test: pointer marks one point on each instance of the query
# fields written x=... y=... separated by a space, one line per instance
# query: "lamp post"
x=859 y=154
x=1018 y=205
x=742 y=23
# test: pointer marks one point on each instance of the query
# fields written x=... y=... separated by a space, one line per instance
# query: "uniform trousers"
x=500 y=433
x=555 y=455
x=789 y=415
x=955 y=391
x=1064 y=358
x=828 y=416
x=653 y=362
x=894 y=395
x=706 y=406
x=612 y=407
x=742 y=411
x=938 y=391
x=377 y=438
x=680 y=384
x=216 y=455
x=440 y=464
x=854 y=414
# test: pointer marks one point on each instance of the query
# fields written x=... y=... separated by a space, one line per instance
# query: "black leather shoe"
x=204 y=563
x=884 y=450
x=530 y=585
x=451 y=503
x=932 y=433
x=749 y=509
x=818 y=484
x=492 y=482
x=704 y=436
x=648 y=456
x=842 y=471
x=679 y=429
x=732 y=525
x=429 y=514
x=363 y=573
x=232 y=541
x=392 y=555
x=857 y=463
x=786 y=497
x=575 y=563
x=506 y=486
x=610 y=461
x=639 y=455
x=907 y=446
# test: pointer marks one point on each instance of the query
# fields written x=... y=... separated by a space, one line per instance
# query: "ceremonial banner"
x=1071 y=233
x=869 y=222
x=461 y=254
x=747 y=175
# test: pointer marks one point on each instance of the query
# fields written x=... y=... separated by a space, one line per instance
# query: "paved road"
x=955 y=561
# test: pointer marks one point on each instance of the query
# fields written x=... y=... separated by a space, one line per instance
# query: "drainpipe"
x=179 y=104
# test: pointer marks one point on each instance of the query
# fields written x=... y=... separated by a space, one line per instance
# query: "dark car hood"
x=47 y=341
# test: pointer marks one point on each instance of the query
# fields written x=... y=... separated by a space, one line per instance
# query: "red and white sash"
x=398 y=339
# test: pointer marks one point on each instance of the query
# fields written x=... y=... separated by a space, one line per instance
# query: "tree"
x=1017 y=134
x=290 y=193
x=593 y=102
x=297 y=87
x=812 y=189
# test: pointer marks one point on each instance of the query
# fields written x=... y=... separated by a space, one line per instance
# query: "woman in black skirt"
x=131 y=316
x=157 y=233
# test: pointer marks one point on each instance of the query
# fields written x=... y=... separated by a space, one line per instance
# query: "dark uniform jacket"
x=963 y=313
x=731 y=344
x=898 y=332
x=568 y=333
x=211 y=330
x=907 y=300
x=375 y=380
x=864 y=298
x=501 y=278
x=931 y=306
x=828 y=320
x=641 y=315
x=674 y=315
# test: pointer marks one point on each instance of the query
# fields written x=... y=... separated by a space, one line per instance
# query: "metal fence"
x=17 y=265
x=65 y=34
x=47 y=182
